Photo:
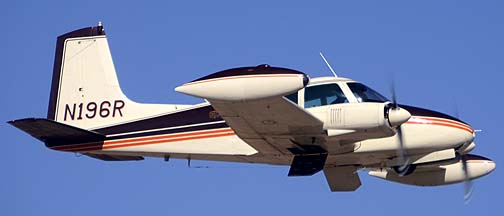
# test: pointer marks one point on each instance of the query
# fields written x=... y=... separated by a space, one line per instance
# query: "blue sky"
x=443 y=55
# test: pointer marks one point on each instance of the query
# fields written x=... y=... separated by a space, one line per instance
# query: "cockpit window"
x=366 y=94
x=322 y=95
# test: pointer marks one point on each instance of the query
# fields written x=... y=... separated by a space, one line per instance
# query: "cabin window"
x=365 y=94
x=293 y=97
x=322 y=95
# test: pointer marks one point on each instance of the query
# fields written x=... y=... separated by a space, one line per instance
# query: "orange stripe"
x=140 y=141
x=173 y=140
x=167 y=136
x=91 y=148
x=441 y=124
x=167 y=139
x=239 y=77
x=446 y=120
x=144 y=138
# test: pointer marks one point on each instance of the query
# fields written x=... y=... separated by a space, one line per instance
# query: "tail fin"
x=85 y=91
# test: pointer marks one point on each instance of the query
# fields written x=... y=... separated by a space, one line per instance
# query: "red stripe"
x=171 y=140
x=442 y=122
x=143 y=138
x=168 y=136
x=141 y=141
x=446 y=121
x=148 y=143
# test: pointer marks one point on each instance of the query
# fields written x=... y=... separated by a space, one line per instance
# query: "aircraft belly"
x=365 y=159
x=260 y=159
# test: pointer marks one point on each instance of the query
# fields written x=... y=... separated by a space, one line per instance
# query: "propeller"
x=394 y=96
x=468 y=185
x=396 y=117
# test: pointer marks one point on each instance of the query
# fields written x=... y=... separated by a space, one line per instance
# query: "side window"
x=322 y=95
x=293 y=97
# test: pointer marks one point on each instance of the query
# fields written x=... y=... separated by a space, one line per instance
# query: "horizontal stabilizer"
x=55 y=134
x=107 y=157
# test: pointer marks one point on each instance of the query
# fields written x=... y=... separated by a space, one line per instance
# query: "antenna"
x=327 y=63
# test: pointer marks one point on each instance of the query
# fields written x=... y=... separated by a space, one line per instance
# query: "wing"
x=251 y=101
x=272 y=126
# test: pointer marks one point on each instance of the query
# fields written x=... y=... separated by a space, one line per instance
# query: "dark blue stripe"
x=259 y=70
x=199 y=115
x=172 y=131
x=416 y=111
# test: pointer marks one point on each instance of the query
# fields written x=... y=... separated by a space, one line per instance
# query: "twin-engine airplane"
x=261 y=114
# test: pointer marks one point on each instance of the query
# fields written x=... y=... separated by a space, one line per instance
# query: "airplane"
x=260 y=114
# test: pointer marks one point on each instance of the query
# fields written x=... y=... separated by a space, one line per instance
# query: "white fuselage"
x=421 y=135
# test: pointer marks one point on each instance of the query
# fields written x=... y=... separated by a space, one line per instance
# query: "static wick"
x=327 y=63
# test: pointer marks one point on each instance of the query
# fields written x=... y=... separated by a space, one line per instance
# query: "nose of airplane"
x=444 y=129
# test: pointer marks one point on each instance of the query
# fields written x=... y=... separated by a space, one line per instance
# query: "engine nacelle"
x=364 y=120
x=432 y=175
x=247 y=83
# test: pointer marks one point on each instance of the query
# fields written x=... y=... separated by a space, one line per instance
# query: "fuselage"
x=199 y=130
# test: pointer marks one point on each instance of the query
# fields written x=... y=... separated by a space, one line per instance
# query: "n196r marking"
x=92 y=109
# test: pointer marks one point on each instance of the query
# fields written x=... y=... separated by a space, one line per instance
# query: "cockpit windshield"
x=365 y=94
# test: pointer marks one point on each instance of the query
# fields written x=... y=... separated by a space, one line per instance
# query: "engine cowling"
x=246 y=83
x=365 y=120
x=443 y=174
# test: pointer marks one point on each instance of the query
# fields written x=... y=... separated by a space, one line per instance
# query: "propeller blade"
x=394 y=96
x=456 y=111
x=468 y=185
x=403 y=156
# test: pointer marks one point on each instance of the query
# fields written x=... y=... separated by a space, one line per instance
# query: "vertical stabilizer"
x=85 y=90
